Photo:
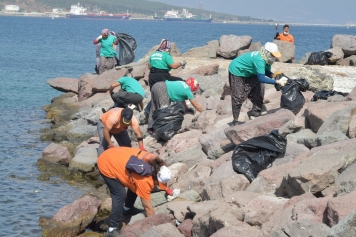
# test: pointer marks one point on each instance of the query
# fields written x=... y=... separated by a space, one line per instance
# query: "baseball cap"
x=273 y=49
x=163 y=176
x=126 y=115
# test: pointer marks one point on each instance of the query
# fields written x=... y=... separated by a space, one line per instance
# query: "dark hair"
x=156 y=164
x=285 y=26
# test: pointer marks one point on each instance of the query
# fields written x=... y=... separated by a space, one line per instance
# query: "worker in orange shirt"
x=112 y=165
x=285 y=36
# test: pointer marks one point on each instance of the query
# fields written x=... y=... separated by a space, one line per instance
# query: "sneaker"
x=114 y=233
x=253 y=113
x=131 y=212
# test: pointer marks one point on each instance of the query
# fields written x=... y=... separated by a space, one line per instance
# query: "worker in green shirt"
x=246 y=73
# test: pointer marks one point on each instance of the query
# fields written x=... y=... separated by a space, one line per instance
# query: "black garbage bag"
x=127 y=47
x=258 y=153
x=324 y=94
x=319 y=58
x=292 y=98
x=167 y=121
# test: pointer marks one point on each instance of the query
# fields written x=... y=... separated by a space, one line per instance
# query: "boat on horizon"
x=184 y=16
x=78 y=11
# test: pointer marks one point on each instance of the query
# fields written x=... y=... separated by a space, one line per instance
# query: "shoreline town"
x=309 y=190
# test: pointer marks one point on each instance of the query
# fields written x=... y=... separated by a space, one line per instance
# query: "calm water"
x=36 y=49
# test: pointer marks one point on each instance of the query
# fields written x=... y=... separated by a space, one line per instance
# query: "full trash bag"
x=167 y=121
x=319 y=58
x=325 y=94
x=292 y=98
x=127 y=47
x=258 y=153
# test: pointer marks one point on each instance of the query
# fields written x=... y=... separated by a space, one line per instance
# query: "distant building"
x=12 y=8
x=57 y=10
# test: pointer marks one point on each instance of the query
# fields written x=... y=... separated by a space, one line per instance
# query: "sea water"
x=33 y=50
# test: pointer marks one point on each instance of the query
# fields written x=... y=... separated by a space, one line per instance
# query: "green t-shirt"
x=131 y=85
x=160 y=60
x=107 y=49
x=178 y=91
x=248 y=65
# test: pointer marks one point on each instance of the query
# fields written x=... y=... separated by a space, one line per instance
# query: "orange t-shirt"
x=111 y=119
x=112 y=162
x=288 y=38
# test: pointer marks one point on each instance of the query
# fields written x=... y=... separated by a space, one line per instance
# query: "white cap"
x=164 y=175
x=273 y=49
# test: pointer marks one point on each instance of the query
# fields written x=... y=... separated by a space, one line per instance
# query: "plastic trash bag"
x=258 y=153
x=319 y=58
x=325 y=94
x=127 y=47
x=292 y=98
x=167 y=121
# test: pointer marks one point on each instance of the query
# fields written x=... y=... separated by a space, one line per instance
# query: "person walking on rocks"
x=246 y=73
x=285 y=35
x=115 y=123
x=107 y=51
x=163 y=93
x=131 y=92
x=112 y=166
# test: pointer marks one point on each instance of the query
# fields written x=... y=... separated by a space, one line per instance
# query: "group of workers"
x=247 y=74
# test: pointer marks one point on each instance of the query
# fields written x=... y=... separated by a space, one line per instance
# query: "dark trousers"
x=123 y=98
x=157 y=75
x=243 y=88
x=119 y=197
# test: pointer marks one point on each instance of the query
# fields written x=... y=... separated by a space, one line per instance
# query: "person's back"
x=248 y=64
x=160 y=60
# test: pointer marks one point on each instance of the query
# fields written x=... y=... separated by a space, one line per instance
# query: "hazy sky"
x=304 y=11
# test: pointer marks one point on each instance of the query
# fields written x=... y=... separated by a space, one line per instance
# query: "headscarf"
x=193 y=84
x=105 y=31
x=165 y=45
x=267 y=56
x=112 y=33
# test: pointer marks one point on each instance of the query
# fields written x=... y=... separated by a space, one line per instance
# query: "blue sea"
x=33 y=50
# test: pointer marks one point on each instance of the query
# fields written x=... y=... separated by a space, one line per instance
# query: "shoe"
x=131 y=212
x=253 y=113
x=114 y=233
x=234 y=123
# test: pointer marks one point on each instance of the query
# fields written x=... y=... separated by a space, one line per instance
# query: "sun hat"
x=273 y=49
x=163 y=176
x=126 y=115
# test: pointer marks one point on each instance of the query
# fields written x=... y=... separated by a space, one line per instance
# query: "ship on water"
x=184 y=16
x=78 y=11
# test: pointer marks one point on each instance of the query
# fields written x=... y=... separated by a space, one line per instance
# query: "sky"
x=286 y=11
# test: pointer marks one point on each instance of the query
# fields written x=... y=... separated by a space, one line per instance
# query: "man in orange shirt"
x=285 y=36
x=112 y=166
x=115 y=123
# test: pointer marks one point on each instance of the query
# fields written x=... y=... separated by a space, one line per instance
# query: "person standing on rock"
x=285 y=35
x=163 y=93
x=246 y=73
x=115 y=123
x=131 y=92
x=159 y=64
x=107 y=51
x=112 y=166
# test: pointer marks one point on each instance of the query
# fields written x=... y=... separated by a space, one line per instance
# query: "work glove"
x=142 y=148
x=169 y=191
x=189 y=110
x=183 y=63
x=282 y=81
x=99 y=37
x=276 y=74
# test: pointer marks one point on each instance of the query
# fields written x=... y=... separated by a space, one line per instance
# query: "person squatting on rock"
x=285 y=35
x=246 y=73
x=107 y=50
x=163 y=93
x=160 y=63
x=112 y=167
x=115 y=123
x=131 y=92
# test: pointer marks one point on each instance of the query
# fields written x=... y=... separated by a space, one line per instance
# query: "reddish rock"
x=183 y=141
x=56 y=153
x=205 y=70
x=138 y=71
x=259 y=126
x=176 y=169
x=241 y=198
x=240 y=229
x=179 y=209
x=341 y=146
x=339 y=207
x=221 y=160
x=272 y=96
x=103 y=82
x=64 y=84
x=352 y=127
x=164 y=230
x=204 y=120
x=311 y=210
x=186 y=227
x=352 y=95
x=85 y=89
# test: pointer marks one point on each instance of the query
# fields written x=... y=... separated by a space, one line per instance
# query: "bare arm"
x=107 y=136
x=175 y=65
x=148 y=207
x=138 y=133
x=196 y=105
x=115 y=84
x=117 y=41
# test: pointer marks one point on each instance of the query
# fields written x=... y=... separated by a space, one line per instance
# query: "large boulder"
x=72 y=219
x=174 y=51
x=210 y=85
x=103 y=82
x=179 y=209
x=186 y=227
x=339 y=207
x=346 y=42
x=64 y=84
x=206 y=70
x=345 y=227
x=85 y=159
x=312 y=209
x=231 y=44
x=346 y=181
x=85 y=89
x=338 y=54
x=207 y=51
x=242 y=229
x=56 y=153
x=287 y=50
x=164 y=230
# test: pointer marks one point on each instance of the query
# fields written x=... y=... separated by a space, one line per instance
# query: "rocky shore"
x=308 y=191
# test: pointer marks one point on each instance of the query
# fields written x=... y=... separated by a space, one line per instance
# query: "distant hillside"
x=144 y=7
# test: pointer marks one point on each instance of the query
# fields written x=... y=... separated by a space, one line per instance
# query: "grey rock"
x=287 y=50
x=231 y=44
x=339 y=120
x=300 y=229
x=189 y=156
x=207 y=51
x=64 y=84
x=157 y=199
x=346 y=42
x=346 y=181
x=301 y=136
x=190 y=195
x=210 y=85
x=346 y=227
x=85 y=159
x=325 y=139
x=338 y=54
x=164 y=230
x=305 y=58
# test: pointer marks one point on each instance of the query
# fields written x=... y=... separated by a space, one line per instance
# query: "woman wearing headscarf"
x=107 y=51
x=112 y=165
x=163 y=93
